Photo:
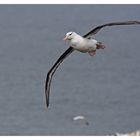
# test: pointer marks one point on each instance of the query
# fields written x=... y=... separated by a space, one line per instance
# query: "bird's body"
x=82 y=44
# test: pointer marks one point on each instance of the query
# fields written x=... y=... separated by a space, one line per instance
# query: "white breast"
x=83 y=44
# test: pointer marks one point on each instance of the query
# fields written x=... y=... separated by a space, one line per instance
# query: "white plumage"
x=83 y=44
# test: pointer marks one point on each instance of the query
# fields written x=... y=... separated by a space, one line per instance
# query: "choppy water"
x=105 y=89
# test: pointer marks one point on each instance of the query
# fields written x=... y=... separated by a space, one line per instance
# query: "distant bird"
x=76 y=118
x=83 y=44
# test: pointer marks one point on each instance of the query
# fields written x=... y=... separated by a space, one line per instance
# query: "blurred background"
x=105 y=88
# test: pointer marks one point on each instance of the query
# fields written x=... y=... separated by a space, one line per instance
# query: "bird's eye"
x=70 y=34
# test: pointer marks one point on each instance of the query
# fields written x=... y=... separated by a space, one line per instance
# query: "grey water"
x=105 y=89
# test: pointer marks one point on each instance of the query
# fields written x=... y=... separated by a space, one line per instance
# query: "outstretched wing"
x=70 y=50
x=52 y=71
x=98 y=28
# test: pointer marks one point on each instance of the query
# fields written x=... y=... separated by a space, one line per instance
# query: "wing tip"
x=47 y=101
x=47 y=105
x=47 y=98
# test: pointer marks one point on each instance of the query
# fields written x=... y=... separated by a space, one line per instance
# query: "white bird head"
x=70 y=35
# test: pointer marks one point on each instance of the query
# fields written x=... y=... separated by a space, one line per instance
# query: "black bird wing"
x=52 y=71
x=70 y=50
x=98 y=28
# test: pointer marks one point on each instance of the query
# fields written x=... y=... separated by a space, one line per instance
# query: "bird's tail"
x=100 y=45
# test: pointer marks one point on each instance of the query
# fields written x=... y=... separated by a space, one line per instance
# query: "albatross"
x=84 y=44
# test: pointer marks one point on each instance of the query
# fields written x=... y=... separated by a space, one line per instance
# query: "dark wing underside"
x=70 y=50
x=98 y=28
x=52 y=71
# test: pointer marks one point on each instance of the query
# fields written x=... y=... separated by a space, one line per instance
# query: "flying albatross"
x=83 y=44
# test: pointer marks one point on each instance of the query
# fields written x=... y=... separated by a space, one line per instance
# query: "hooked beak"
x=65 y=38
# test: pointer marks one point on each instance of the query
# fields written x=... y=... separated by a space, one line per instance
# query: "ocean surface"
x=105 y=89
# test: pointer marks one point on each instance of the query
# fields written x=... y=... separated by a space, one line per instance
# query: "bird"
x=84 y=44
